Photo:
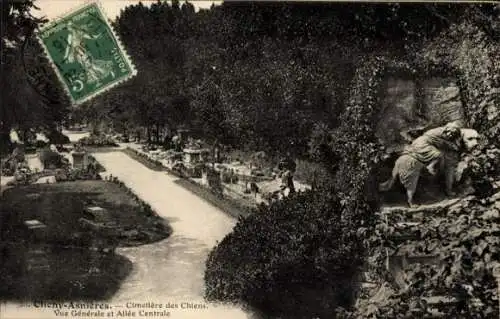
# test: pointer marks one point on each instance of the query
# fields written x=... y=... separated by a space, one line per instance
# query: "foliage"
x=484 y=169
x=58 y=138
x=264 y=80
x=306 y=78
x=277 y=257
x=474 y=59
x=52 y=159
x=32 y=96
x=145 y=159
x=100 y=140
x=78 y=174
x=464 y=237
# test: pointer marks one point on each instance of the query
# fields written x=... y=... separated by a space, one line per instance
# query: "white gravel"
x=170 y=270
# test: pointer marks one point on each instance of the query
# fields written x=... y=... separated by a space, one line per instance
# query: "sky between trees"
x=55 y=8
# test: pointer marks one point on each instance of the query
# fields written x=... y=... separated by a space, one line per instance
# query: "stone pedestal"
x=80 y=159
x=204 y=178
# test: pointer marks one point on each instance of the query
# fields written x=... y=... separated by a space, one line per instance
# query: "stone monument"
x=80 y=158
x=409 y=103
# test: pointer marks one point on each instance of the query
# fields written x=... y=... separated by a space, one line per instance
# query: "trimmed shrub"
x=287 y=259
x=96 y=165
x=56 y=137
x=51 y=159
x=98 y=140
x=39 y=144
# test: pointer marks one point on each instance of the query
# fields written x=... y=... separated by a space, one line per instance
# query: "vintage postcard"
x=249 y=159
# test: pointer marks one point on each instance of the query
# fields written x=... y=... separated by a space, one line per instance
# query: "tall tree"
x=32 y=97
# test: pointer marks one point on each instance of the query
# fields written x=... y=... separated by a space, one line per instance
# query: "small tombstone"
x=97 y=214
x=37 y=260
x=36 y=229
x=46 y=180
x=33 y=196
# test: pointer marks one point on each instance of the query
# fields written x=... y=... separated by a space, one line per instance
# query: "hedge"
x=288 y=259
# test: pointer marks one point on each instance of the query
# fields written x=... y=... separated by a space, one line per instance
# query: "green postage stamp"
x=85 y=52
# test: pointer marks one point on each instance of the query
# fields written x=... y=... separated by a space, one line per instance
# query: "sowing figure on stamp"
x=438 y=148
x=76 y=51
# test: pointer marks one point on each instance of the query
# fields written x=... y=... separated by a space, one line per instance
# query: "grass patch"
x=60 y=205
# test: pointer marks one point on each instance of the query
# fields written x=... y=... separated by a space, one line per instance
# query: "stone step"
x=421 y=211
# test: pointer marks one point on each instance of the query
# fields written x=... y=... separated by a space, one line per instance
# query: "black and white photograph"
x=249 y=159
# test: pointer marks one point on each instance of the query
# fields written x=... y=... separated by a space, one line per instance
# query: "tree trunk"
x=5 y=143
x=158 y=133
x=148 y=133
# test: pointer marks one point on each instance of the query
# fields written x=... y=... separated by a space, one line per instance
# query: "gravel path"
x=170 y=270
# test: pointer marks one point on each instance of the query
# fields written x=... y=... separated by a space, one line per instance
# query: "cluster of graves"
x=247 y=182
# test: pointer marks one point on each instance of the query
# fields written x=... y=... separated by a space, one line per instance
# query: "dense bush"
x=301 y=257
x=483 y=167
x=39 y=144
x=77 y=174
x=97 y=140
x=52 y=159
x=287 y=259
x=56 y=137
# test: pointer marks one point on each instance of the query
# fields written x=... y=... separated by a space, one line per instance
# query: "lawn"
x=59 y=206
x=60 y=265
